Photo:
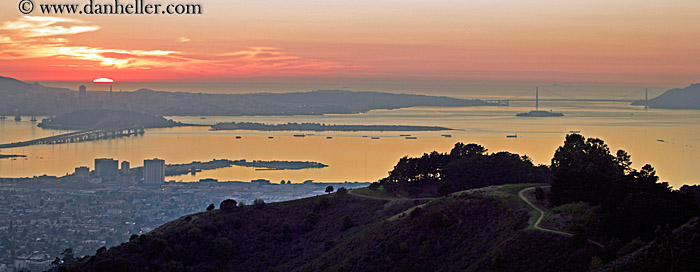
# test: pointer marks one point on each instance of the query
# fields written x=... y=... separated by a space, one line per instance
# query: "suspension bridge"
x=526 y=96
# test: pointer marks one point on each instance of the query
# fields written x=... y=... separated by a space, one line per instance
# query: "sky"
x=623 y=42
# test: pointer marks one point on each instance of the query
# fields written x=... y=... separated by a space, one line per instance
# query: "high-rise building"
x=126 y=180
x=153 y=172
x=82 y=172
x=82 y=93
x=106 y=168
x=125 y=168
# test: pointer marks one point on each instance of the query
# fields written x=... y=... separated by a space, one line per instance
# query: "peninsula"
x=687 y=98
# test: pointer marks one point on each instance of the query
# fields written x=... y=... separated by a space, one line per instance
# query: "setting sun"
x=103 y=80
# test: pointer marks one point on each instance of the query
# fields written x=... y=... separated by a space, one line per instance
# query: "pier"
x=79 y=136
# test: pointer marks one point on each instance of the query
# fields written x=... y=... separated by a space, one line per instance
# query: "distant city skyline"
x=592 y=42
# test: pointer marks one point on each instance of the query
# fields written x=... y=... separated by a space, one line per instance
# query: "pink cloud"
x=47 y=40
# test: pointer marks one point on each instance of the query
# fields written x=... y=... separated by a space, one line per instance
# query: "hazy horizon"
x=458 y=89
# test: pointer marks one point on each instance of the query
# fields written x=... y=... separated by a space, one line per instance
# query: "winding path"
x=536 y=225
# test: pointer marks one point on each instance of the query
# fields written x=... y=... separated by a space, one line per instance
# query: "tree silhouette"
x=342 y=191
x=227 y=205
x=462 y=150
x=633 y=202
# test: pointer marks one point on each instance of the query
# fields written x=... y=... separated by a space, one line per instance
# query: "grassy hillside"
x=478 y=230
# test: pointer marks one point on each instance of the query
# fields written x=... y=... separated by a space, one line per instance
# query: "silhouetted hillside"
x=32 y=99
x=685 y=98
x=39 y=100
x=485 y=229
x=474 y=231
x=105 y=119
x=670 y=251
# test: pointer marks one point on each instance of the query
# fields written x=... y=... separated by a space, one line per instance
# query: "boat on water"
x=405 y=135
x=18 y=118
x=270 y=137
x=33 y=119
x=329 y=137
x=574 y=131
x=447 y=135
x=537 y=112
x=512 y=136
x=299 y=135
x=238 y=137
x=411 y=138
x=2 y=117
x=375 y=138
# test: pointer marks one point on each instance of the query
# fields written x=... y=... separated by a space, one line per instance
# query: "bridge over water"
x=79 y=136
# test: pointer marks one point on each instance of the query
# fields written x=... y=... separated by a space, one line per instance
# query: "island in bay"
x=196 y=166
x=11 y=156
x=320 y=127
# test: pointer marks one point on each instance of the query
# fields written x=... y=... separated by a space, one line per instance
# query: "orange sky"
x=592 y=41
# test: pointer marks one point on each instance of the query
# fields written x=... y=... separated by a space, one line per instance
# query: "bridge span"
x=79 y=136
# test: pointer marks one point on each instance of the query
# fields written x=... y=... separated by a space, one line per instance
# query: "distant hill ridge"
x=35 y=99
x=680 y=98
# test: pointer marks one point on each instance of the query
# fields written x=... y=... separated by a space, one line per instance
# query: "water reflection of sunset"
x=352 y=157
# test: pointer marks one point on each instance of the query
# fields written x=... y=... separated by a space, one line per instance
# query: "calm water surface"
x=352 y=157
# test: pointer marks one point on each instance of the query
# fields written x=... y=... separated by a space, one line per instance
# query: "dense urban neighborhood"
x=41 y=217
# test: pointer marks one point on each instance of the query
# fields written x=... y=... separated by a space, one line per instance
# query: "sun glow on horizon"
x=103 y=80
x=594 y=42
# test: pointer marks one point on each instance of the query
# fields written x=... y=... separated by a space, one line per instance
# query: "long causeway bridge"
x=79 y=136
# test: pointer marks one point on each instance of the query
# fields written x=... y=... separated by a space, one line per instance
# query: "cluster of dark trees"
x=633 y=202
x=464 y=167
